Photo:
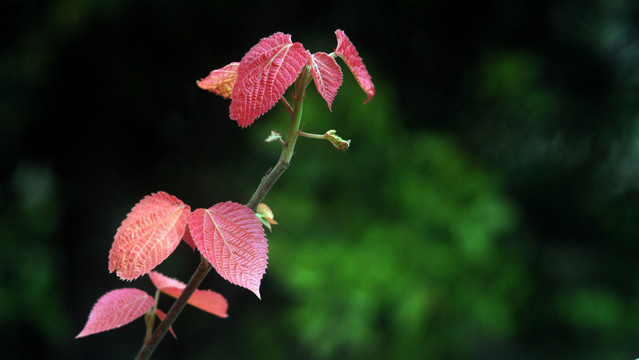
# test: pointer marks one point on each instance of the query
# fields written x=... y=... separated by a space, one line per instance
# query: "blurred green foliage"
x=382 y=245
x=488 y=206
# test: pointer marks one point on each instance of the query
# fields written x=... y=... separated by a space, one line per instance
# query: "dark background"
x=488 y=207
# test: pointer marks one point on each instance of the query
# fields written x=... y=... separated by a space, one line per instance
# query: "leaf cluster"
x=229 y=236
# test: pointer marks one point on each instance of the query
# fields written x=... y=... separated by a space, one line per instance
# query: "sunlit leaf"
x=327 y=75
x=206 y=300
x=221 y=81
x=116 y=308
x=263 y=75
x=148 y=235
x=346 y=50
x=231 y=238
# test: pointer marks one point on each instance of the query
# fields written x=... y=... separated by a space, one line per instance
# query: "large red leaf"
x=346 y=50
x=221 y=81
x=116 y=308
x=206 y=300
x=263 y=76
x=148 y=235
x=231 y=238
x=327 y=75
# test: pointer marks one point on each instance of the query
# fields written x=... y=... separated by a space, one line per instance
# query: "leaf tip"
x=257 y=293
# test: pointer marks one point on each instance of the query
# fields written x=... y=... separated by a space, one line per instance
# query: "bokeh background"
x=488 y=207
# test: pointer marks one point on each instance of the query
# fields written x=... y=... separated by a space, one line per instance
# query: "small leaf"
x=274 y=136
x=148 y=235
x=162 y=315
x=264 y=74
x=338 y=142
x=265 y=214
x=327 y=75
x=221 y=81
x=346 y=50
x=206 y=300
x=231 y=238
x=116 y=308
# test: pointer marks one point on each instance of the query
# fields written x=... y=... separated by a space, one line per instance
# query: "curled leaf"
x=338 y=142
x=231 y=238
x=221 y=81
x=148 y=235
x=274 y=136
x=116 y=308
x=327 y=75
x=265 y=214
x=347 y=51
x=264 y=74
x=206 y=300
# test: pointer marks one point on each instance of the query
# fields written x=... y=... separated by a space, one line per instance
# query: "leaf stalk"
x=288 y=146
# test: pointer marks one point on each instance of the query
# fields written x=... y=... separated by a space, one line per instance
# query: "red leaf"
x=263 y=75
x=346 y=50
x=162 y=315
x=326 y=74
x=148 y=235
x=231 y=238
x=116 y=308
x=221 y=81
x=206 y=300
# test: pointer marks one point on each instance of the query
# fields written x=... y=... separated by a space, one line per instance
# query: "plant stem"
x=151 y=342
x=149 y=317
x=289 y=144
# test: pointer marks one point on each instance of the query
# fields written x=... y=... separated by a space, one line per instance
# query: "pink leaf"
x=231 y=238
x=206 y=300
x=326 y=74
x=116 y=308
x=148 y=235
x=162 y=315
x=221 y=81
x=263 y=76
x=346 y=50
x=161 y=281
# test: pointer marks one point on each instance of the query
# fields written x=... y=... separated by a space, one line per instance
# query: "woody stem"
x=151 y=342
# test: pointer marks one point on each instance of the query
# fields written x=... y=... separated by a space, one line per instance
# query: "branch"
x=151 y=342
x=289 y=144
x=196 y=279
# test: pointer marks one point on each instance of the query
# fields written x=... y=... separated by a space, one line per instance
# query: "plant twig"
x=151 y=342
x=312 y=136
x=289 y=144
x=196 y=279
